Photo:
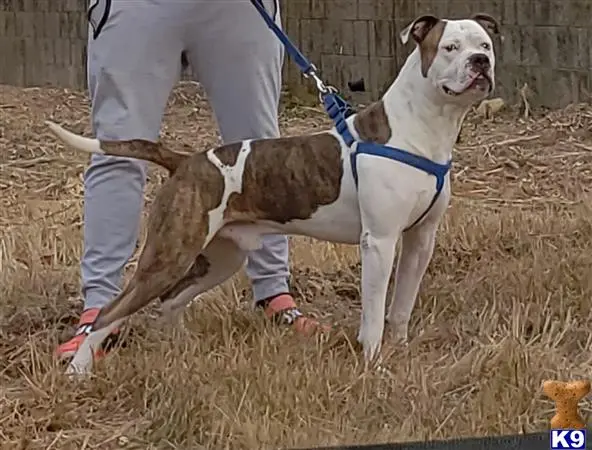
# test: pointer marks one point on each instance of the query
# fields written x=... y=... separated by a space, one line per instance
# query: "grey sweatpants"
x=133 y=63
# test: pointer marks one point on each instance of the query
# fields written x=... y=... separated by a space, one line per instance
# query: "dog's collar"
x=338 y=110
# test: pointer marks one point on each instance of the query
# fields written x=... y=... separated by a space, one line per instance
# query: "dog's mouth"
x=479 y=82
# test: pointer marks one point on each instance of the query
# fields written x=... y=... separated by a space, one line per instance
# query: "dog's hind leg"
x=149 y=282
x=82 y=361
x=172 y=243
x=161 y=266
x=145 y=285
x=221 y=259
x=218 y=262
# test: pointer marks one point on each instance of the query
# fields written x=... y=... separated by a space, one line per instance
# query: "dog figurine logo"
x=566 y=396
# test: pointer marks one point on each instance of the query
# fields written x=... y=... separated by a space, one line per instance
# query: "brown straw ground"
x=506 y=304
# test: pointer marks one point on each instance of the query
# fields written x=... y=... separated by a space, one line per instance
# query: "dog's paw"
x=76 y=372
x=82 y=363
x=399 y=331
x=371 y=339
x=400 y=336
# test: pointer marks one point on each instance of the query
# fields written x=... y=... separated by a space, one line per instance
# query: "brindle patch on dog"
x=372 y=124
x=228 y=154
x=149 y=151
x=429 y=46
x=288 y=178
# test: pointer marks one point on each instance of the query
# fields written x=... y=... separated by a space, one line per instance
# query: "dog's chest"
x=395 y=187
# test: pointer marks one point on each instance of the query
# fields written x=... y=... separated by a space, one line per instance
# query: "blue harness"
x=339 y=110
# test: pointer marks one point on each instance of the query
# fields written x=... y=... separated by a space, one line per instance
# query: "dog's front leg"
x=383 y=211
x=416 y=252
x=377 y=255
x=417 y=247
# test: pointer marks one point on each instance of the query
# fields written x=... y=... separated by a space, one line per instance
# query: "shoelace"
x=288 y=316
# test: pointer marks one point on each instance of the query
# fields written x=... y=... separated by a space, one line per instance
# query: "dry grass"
x=505 y=305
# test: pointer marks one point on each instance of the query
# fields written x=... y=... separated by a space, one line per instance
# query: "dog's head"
x=456 y=56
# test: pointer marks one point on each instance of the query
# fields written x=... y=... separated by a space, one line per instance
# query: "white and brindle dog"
x=217 y=204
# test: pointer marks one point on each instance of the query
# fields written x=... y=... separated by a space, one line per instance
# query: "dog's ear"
x=426 y=31
x=490 y=24
x=419 y=28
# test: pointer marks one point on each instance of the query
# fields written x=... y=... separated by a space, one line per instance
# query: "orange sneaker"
x=283 y=309
x=69 y=348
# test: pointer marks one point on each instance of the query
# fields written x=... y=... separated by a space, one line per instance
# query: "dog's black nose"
x=480 y=62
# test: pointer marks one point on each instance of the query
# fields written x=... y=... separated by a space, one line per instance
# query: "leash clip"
x=321 y=86
x=323 y=89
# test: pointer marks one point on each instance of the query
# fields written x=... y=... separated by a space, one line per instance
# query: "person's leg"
x=238 y=60
x=133 y=63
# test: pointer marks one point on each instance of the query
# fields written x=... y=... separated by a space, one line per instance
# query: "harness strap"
x=339 y=110
x=396 y=154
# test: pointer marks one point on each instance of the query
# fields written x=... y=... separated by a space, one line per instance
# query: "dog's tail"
x=137 y=149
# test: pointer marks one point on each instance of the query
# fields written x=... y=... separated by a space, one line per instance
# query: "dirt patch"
x=505 y=304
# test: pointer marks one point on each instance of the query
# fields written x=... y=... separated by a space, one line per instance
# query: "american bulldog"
x=217 y=204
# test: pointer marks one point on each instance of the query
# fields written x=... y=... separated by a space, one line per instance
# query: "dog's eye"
x=486 y=46
x=451 y=47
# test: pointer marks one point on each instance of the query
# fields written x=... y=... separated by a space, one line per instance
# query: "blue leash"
x=339 y=110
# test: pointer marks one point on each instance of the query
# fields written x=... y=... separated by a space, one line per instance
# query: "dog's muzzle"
x=479 y=67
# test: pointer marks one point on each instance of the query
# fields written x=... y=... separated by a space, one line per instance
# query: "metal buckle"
x=320 y=84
